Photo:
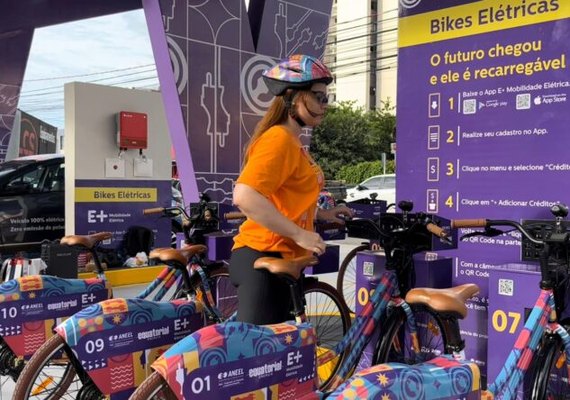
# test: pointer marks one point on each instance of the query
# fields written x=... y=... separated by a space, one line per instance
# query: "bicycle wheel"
x=547 y=378
x=153 y=388
x=224 y=292
x=346 y=280
x=327 y=313
x=48 y=374
x=395 y=343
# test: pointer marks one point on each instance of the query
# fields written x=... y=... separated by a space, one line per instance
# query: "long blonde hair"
x=276 y=114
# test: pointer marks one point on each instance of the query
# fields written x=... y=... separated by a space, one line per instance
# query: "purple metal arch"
x=217 y=51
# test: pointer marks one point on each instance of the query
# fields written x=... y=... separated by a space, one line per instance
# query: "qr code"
x=470 y=106
x=506 y=287
x=523 y=101
x=368 y=268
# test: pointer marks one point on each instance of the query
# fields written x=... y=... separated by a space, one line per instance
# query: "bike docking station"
x=430 y=269
x=513 y=289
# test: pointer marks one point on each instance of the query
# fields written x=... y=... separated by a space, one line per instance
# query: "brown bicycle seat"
x=155 y=253
x=292 y=267
x=450 y=300
x=87 y=241
x=181 y=256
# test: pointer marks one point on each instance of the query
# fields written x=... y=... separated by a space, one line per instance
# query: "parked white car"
x=383 y=185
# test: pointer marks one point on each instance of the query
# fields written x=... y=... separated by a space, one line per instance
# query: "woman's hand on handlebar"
x=336 y=214
x=311 y=241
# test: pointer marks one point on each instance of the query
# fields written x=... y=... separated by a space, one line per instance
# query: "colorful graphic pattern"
x=438 y=379
x=32 y=306
x=236 y=360
x=117 y=340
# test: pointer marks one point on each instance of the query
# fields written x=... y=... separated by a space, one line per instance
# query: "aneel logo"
x=230 y=374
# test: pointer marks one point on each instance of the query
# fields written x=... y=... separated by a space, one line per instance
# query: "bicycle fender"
x=442 y=378
x=237 y=358
x=115 y=341
x=32 y=306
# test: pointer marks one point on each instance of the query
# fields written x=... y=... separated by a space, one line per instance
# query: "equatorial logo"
x=409 y=3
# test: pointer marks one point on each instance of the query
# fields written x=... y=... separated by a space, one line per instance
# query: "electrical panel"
x=132 y=130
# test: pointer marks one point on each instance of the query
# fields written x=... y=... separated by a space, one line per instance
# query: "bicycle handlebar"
x=436 y=230
x=234 y=215
x=488 y=223
x=156 y=210
x=468 y=223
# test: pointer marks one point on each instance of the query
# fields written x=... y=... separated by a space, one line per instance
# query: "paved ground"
x=7 y=385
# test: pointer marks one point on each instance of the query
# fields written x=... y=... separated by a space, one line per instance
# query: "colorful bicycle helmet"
x=296 y=72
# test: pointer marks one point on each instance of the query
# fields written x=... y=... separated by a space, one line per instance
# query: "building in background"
x=31 y=136
x=362 y=51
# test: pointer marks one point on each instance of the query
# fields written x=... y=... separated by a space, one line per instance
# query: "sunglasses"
x=321 y=97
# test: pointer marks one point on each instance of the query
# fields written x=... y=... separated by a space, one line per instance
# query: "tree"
x=349 y=135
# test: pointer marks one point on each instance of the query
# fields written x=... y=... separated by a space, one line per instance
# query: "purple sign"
x=482 y=110
x=113 y=206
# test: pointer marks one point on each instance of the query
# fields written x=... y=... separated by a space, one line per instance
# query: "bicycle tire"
x=42 y=359
x=327 y=312
x=346 y=279
x=394 y=344
x=545 y=378
x=153 y=388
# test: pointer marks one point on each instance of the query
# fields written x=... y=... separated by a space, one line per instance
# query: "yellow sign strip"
x=117 y=195
x=128 y=276
x=476 y=18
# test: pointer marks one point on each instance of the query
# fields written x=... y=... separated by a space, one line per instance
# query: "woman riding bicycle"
x=278 y=189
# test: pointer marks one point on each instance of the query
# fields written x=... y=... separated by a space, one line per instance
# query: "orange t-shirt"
x=280 y=169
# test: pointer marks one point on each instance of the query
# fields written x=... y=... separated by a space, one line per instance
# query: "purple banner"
x=482 y=116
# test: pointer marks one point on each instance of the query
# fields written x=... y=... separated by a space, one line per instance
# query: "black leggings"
x=263 y=298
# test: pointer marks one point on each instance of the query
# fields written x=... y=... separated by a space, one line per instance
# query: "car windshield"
x=10 y=166
x=372 y=183
x=389 y=182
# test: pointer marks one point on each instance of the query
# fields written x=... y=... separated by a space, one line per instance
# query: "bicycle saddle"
x=292 y=267
x=444 y=300
x=87 y=241
x=181 y=256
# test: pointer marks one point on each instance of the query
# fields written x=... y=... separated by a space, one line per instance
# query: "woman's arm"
x=259 y=209
x=332 y=215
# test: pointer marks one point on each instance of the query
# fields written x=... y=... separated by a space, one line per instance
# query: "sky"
x=110 y=50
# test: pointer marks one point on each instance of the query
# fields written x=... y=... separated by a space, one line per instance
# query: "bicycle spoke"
x=48 y=383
